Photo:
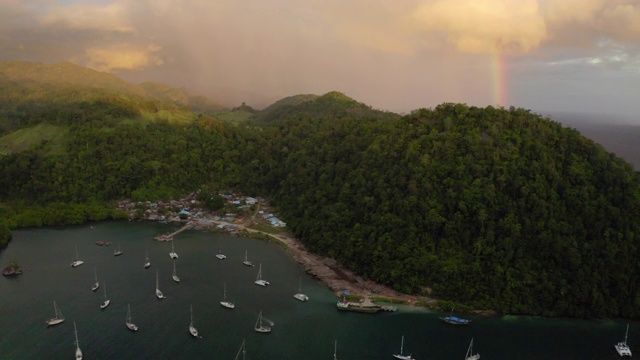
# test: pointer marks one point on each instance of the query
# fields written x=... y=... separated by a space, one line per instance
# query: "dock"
x=169 y=237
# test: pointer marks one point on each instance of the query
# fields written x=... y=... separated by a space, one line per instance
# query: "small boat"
x=300 y=296
x=96 y=285
x=175 y=275
x=224 y=302
x=259 y=280
x=147 y=263
x=455 y=320
x=159 y=294
x=116 y=250
x=106 y=301
x=173 y=253
x=400 y=356
x=335 y=350
x=260 y=327
x=242 y=350
x=57 y=318
x=130 y=325
x=246 y=261
x=192 y=329
x=622 y=348
x=77 y=262
x=220 y=255
x=100 y=243
x=470 y=355
x=12 y=270
x=78 y=351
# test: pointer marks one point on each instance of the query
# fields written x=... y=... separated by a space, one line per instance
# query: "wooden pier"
x=169 y=237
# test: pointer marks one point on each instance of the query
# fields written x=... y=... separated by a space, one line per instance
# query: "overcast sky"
x=544 y=55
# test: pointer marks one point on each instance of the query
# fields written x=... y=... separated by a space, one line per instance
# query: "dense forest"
x=489 y=207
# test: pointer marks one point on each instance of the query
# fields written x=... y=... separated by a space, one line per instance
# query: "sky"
x=545 y=55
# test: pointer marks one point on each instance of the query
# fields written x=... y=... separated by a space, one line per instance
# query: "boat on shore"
x=364 y=307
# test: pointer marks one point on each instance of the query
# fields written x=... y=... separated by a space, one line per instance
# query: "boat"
x=455 y=320
x=246 y=261
x=117 y=251
x=130 y=325
x=106 y=301
x=78 y=351
x=400 y=356
x=259 y=280
x=300 y=296
x=57 y=318
x=622 y=348
x=175 y=275
x=96 y=285
x=366 y=307
x=220 y=255
x=224 y=302
x=470 y=355
x=159 y=294
x=12 y=270
x=192 y=329
x=173 y=253
x=260 y=327
x=77 y=262
x=335 y=350
x=242 y=350
x=147 y=263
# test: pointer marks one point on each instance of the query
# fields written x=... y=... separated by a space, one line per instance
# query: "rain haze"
x=577 y=56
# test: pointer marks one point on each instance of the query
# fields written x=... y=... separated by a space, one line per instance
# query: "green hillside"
x=51 y=137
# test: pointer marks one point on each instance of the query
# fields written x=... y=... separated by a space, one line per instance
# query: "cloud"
x=121 y=57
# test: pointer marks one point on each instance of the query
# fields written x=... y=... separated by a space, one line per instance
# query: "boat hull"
x=261 y=282
x=227 y=304
x=54 y=322
x=132 y=326
x=77 y=263
x=301 y=297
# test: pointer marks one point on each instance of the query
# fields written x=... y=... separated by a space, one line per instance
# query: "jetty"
x=169 y=237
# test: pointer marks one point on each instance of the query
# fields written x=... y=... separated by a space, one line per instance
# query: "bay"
x=301 y=331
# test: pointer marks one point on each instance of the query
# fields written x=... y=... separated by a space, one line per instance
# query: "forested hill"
x=488 y=207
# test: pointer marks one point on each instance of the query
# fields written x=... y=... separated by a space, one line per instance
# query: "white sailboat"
x=97 y=284
x=78 y=351
x=300 y=296
x=117 y=251
x=622 y=348
x=173 y=253
x=77 y=262
x=130 y=325
x=159 y=294
x=57 y=318
x=175 y=275
x=246 y=261
x=242 y=350
x=224 y=302
x=220 y=255
x=470 y=355
x=260 y=327
x=335 y=350
x=259 y=280
x=192 y=329
x=147 y=263
x=106 y=301
x=401 y=356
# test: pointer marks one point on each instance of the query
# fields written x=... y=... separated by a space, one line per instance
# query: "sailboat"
x=78 y=351
x=259 y=280
x=147 y=263
x=77 y=262
x=300 y=296
x=261 y=328
x=246 y=261
x=242 y=350
x=192 y=329
x=97 y=284
x=159 y=294
x=173 y=253
x=117 y=251
x=175 y=275
x=455 y=320
x=220 y=255
x=622 y=348
x=224 y=302
x=335 y=350
x=400 y=356
x=106 y=301
x=470 y=355
x=57 y=318
x=130 y=325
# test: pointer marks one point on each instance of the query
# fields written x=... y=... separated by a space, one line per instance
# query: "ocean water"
x=301 y=330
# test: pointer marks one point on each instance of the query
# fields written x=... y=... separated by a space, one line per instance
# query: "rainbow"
x=499 y=75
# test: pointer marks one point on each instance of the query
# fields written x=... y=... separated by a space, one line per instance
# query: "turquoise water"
x=301 y=331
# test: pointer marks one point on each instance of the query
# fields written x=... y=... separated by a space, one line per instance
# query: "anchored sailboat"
x=97 y=284
x=106 y=301
x=175 y=275
x=159 y=294
x=260 y=327
x=192 y=329
x=300 y=296
x=220 y=255
x=130 y=325
x=173 y=253
x=246 y=261
x=259 y=280
x=77 y=262
x=622 y=348
x=400 y=356
x=242 y=350
x=78 y=351
x=335 y=350
x=224 y=302
x=470 y=355
x=147 y=263
x=117 y=251
x=57 y=318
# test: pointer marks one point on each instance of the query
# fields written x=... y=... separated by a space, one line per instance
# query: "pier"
x=169 y=237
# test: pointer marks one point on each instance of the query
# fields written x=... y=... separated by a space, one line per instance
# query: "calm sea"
x=301 y=331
